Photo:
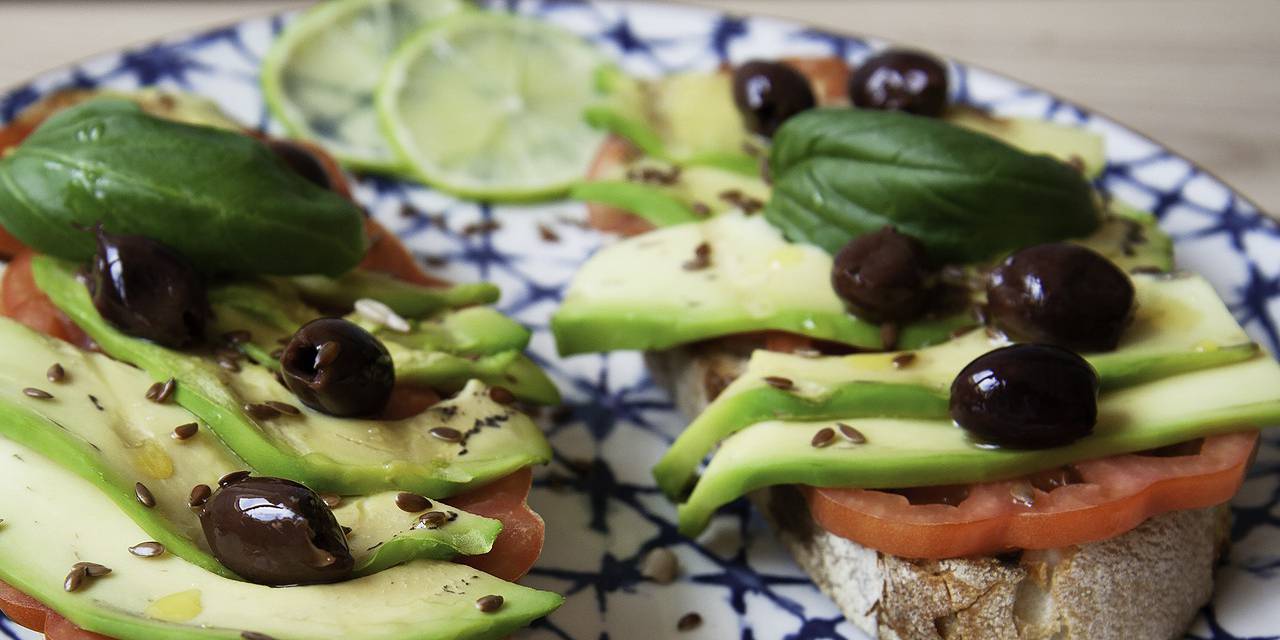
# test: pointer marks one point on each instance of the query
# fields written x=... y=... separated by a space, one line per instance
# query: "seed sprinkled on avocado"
x=199 y=495
x=56 y=373
x=903 y=360
x=431 y=520
x=185 y=431
x=96 y=404
x=144 y=495
x=259 y=411
x=332 y=500
x=448 y=434
x=779 y=382
x=851 y=434
x=39 y=394
x=501 y=395
x=147 y=550
x=824 y=437
x=701 y=258
x=412 y=502
x=254 y=635
x=489 y=604
x=284 y=408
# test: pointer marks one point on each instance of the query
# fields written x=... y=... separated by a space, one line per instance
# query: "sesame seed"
x=851 y=434
x=489 y=604
x=824 y=437
x=199 y=495
x=185 y=431
x=412 y=502
x=143 y=494
x=147 y=550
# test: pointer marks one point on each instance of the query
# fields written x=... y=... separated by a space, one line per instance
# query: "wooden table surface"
x=1202 y=76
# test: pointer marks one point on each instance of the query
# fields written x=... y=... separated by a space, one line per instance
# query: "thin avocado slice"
x=99 y=425
x=755 y=281
x=344 y=456
x=443 y=350
x=906 y=453
x=405 y=298
x=1180 y=326
x=55 y=518
x=1069 y=144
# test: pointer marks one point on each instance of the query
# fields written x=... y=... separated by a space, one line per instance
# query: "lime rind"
x=320 y=75
x=490 y=106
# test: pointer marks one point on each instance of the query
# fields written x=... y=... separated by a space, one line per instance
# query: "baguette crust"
x=1147 y=583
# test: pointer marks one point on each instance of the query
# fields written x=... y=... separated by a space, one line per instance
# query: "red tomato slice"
x=22 y=608
x=23 y=301
x=1089 y=501
x=9 y=245
x=523 y=531
x=57 y=627
x=386 y=254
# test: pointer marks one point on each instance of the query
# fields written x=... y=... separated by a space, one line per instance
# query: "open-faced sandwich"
x=233 y=406
x=971 y=392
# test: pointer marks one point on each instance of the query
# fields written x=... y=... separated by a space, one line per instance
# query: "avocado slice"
x=405 y=298
x=345 y=456
x=54 y=518
x=1184 y=370
x=443 y=350
x=99 y=425
x=756 y=281
x=1180 y=326
x=1073 y=145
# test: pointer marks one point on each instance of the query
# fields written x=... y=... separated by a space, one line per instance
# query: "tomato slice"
x=523 y=531
x=23 y=301
x=1086 y=502
x=57 y=627
x=22 y=608
x=829 y=76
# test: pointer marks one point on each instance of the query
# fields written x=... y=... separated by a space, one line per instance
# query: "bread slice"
x=1146 y=584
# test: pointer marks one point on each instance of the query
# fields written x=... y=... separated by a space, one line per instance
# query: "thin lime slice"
x=490 y=106
x=320 y=75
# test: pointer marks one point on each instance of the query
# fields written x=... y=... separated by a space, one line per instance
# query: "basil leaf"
x=839 y=173
x=222 y=199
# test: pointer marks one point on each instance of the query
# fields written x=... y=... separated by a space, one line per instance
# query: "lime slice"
x=490 y=106
x=320 y=75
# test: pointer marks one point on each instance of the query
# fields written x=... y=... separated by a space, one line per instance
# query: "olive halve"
x=334 y=366
x=1026 y=396
x=275 y=532
x=767 y=94
x=303 y=161
x=883 y=276
x=900 y=80
x=148 y=290
x=1062 y=294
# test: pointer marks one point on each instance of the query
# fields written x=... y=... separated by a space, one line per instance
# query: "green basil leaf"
x=839 y=173
x=220 y=198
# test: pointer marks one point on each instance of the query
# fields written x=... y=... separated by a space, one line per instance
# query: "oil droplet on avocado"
x=1208 y=346
x=784 y=257
x=151 y=459
x=178 y=607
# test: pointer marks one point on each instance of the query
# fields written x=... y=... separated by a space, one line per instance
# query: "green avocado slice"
x=443 y=351
x=905 y=453
x=345 y=456
x=1182 y=337
x=755 y=281
x=54 y=518
x=405 y=298
x=99 y=425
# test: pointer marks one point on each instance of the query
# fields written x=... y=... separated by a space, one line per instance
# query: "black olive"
x=303 y=161
x=148 y=290
x=900 y=80
x=334 y=366
x=883 y=276
x=1061 y=294
x=275 y=532
x=768 y=93
x=1026 y=396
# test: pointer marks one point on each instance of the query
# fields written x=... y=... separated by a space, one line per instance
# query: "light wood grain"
x=1202 y=76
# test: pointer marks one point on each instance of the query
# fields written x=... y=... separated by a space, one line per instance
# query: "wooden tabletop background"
x=1201 y=76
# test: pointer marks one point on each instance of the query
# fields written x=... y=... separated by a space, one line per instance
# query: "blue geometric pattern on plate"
x=602 y=509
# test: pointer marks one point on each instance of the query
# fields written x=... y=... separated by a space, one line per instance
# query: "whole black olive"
x=1026 y=396
x=883 y=276
x=1061 y=294
x=334 y=366
x=148 y=290
x=768 y=93
x=275 y=532
x=900 y=80
x=303 y=161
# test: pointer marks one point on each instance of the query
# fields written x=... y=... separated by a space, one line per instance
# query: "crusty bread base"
x=1147 y=583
